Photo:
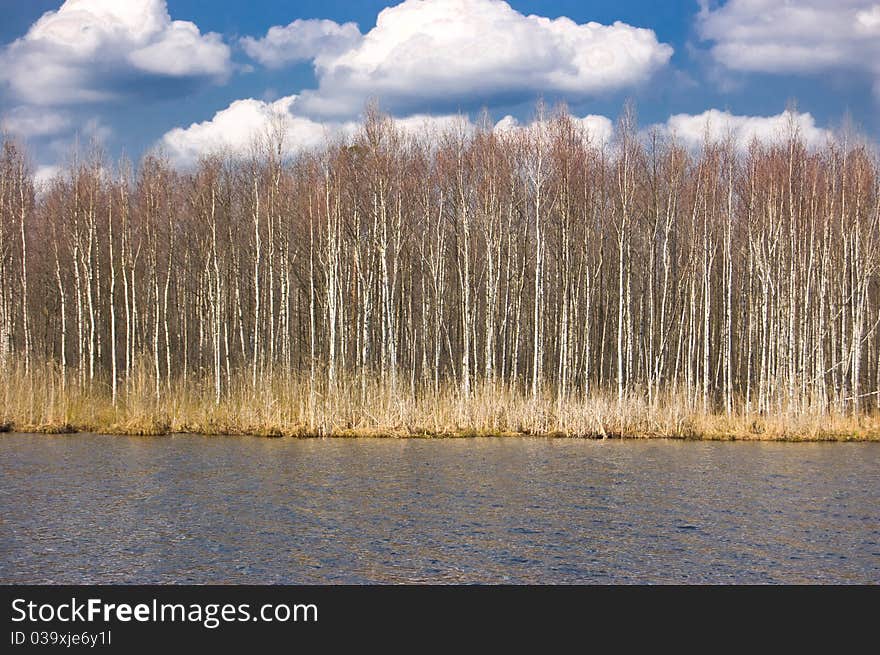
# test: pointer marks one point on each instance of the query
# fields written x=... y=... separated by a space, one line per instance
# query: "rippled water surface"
x=97 y=509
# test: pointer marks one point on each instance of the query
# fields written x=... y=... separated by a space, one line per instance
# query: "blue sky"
x=136 y=73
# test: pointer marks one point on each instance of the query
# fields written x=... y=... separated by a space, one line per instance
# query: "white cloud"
x=247 y=123
x=242 y=125
x=600 y=129
x=433 y=128
x=29 y=122
x=692 y=130
x=597 y=129
x=181 y=51
x=89 y=50
x=45 y=174
x=300 y=41
x=469 y=51
x=807 y=36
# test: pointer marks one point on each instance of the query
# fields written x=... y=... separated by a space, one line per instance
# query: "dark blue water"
x=97 y=509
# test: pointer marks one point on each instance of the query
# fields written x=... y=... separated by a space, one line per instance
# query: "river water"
x=192 y=509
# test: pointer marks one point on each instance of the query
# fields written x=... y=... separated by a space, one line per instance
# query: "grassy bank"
x=285 y=405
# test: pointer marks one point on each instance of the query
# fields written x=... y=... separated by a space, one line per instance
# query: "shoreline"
x=44 y=401
x=71 y=431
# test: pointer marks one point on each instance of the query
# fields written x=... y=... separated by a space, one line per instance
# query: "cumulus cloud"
x=462 y=52
x=242 y=125
x=236 y=129
x=433 y=128
x=693 y=129
x=302 y=40
x=249 y=123
x=91 y=50
x=597 y=129
x=43 y=175
x=807 y=36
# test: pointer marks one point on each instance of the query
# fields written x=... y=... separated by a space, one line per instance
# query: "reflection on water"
x=96 y=509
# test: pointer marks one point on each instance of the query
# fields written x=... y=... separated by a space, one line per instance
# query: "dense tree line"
x=744 y=279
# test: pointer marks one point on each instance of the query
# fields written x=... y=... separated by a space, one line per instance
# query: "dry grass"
x=284 y=406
